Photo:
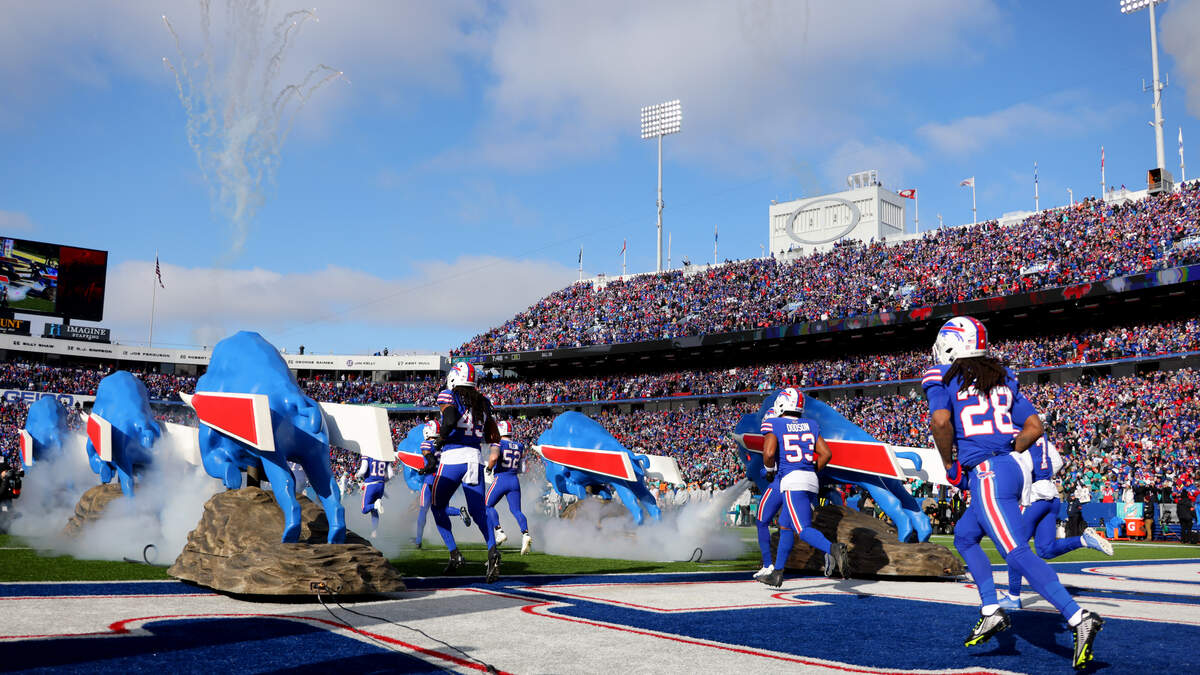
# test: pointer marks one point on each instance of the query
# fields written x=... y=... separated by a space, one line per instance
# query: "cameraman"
x=10 y=488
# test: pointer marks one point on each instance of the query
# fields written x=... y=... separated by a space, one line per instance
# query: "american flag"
x=158 y=271
x=968 y=182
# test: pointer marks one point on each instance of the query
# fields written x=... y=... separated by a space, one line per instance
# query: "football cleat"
x=986 y=627
x=1093 y=540
x=762 y=573
x=493 y=565
x=775 y=578
x=466 y=517
x=379 y=507
x=1007 y=601
x=456 y=561
x=841 y=558
x=501 y=537
x=1085 y=634
x=526 y=543
x=374 y=534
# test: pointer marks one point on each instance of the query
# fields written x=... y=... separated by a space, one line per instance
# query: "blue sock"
x=1043 y=579
x=786 y=539
x=764 y=542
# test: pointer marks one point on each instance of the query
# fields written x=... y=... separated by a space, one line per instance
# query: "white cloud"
x=14 y=222
x=1178 y=28
x=757 y=79
x=896 y=162
x=1068 y=113
x=209 y=303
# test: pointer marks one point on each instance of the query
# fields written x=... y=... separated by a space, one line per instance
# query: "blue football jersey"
x=467 y=431
x=511 y=453
x=1043 y=464
x=984 y=426
x=427 y=447
x=377 y=471
x=797 y=438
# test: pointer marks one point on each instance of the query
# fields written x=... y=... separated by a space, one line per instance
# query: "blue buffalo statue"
x=890 y=494
x=122 y=401
x=46 y=423
x=294 y=430
x=592 y=462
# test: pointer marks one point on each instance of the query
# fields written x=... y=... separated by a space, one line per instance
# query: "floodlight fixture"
x=1129 y=7
x=658 y=121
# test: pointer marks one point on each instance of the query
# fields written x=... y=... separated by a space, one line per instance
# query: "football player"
x=375 y=475
x=978 y=417
x=467 y=422
x=794 y=450
x=425 y=496
x=1039 y=499
x=507 y=463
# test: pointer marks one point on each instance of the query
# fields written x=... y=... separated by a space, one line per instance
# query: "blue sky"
x=450 y=176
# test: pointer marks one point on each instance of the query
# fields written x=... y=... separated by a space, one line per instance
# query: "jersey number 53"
x=798 y=447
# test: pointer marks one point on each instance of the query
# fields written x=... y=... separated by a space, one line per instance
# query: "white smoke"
x=594 y=532
x=169 y=500
x=1178 y=28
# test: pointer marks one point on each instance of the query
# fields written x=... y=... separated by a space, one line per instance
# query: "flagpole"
x=668 y=250
x=974 y=216
x=153 y=300
x=1182 y=166
x=917 y=211
x=714 y=244
x=581 y=263
x=1103 y=184
x=1035 y=188
x=623 y=247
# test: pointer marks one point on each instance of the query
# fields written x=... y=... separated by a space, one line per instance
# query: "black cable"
x=490 y=668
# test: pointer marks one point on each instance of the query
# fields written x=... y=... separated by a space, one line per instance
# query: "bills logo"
x=985 y=474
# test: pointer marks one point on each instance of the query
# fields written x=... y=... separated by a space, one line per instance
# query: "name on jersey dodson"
x=790 y=228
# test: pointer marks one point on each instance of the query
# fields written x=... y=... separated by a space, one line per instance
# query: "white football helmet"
x=461 y=375
x=505 y=429
x=960 y=338
x=432 y=429
x=790 y=399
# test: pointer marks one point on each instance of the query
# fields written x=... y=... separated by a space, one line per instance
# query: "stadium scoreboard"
x=52 y=279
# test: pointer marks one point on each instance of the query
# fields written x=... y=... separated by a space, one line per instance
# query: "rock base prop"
x=873 y=548
x=91 y=506
x=236 y=549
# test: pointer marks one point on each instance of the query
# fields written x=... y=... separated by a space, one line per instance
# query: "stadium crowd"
x=1126 y=341
x=1089 y=242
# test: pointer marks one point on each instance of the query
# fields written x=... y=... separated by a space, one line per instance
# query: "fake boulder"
x=91 y=506
x=873 y=548
x=236 y=549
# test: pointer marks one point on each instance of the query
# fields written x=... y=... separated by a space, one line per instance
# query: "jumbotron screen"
x=52 y=279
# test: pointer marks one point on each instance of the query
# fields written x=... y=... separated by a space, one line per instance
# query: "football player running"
x=1041 y=504
x=506 y=463
x=978 y=417
x=467 y=422
x=375 y=474
x=794 y=451
x=425 y=496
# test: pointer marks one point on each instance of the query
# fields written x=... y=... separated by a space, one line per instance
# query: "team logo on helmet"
x=959 y=338
x=790 y=399
x=505 y=428
x=462 y=374
x=432 y=429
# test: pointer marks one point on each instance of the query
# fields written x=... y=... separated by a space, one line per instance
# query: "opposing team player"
x=792 y=446
x=978 y=417
x=375 y=475
x=466 y=424
x=425 y=496
x=507 y=462
x=1041 y=504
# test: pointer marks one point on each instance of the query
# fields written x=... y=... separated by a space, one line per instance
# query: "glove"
x=431 y=465
x=1043 y=489
x=955 y=474
x=767 y=474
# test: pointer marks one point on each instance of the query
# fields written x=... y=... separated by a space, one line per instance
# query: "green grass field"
x=19 y=562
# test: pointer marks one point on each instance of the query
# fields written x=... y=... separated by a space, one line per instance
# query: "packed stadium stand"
x=1093 y=304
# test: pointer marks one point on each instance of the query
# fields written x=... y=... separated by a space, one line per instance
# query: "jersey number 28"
x=988 y=414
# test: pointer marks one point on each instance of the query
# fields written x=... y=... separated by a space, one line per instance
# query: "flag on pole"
x=911 y=193
x=158 y=271
x=968 y=182
x=1184 y=177
x=714 y=235
x=580 y=256
x=1035 y=174
x=1102 y=158
x=622 y=247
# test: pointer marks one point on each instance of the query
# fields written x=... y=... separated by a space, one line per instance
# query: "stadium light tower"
x=658 y=121
x=1129 y=7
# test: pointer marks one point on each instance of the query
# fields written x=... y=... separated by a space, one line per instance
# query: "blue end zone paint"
x=224 y=645
x=906 y=634
x=99 y=588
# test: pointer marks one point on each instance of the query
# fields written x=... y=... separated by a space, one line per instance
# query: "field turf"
x=18 y=562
